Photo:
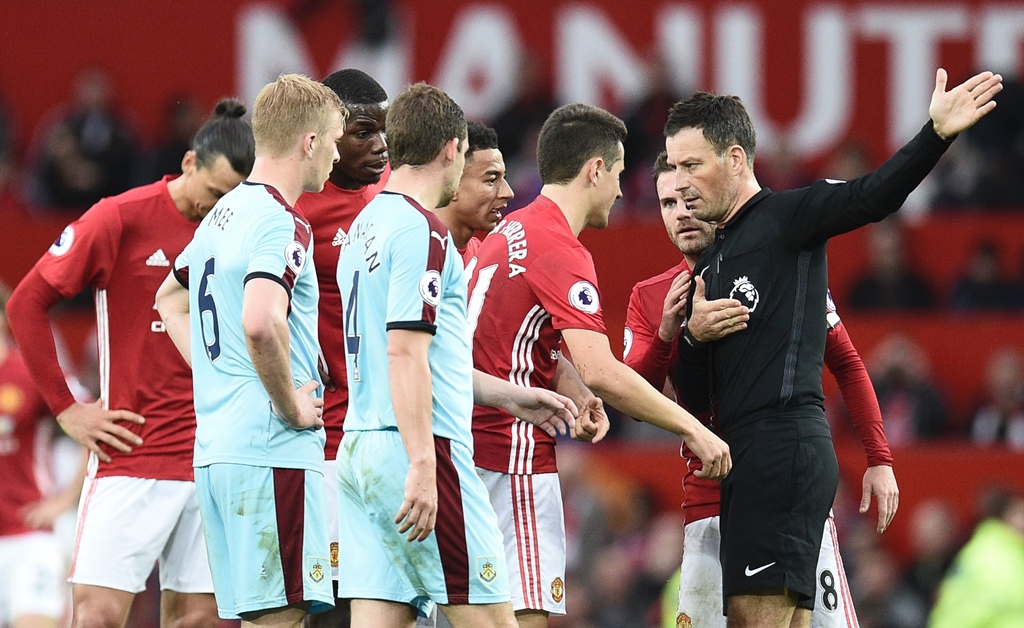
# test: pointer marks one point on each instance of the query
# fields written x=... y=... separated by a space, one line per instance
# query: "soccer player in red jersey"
x=482 y=195
x=139 y=501
x=534 y=286
x=32 y=569
x=356 y=178
x=657 y=307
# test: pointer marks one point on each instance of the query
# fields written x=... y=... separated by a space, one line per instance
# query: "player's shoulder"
x=134 y=203
x=662 y=278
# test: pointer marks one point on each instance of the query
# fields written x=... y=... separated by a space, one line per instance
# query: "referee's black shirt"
x=771 y=258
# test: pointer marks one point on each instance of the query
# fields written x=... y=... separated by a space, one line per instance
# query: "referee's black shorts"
x=774 y=505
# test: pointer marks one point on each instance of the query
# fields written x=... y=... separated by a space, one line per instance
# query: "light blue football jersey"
x=250 y=233
x=399 y=269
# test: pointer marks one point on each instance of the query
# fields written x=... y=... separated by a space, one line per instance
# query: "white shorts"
x=32 y=574
x=127 y=524
x=700 y=583
x=529 y=509
x=331 y=504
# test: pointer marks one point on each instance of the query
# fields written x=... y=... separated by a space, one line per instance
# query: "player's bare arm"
x=411 y=388
x=592 y=423
x=957 y=110
x=714 y=320
x=547 y=410
x=89 y=424
x=265 y=324
x=172 y=303
x=880 y=482
x=628 y=391
x=673 y=313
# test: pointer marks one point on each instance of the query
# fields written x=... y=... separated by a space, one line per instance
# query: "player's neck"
x=423 y=184
x=691 y=260
x=461 y=233
x=176 y=190
x=571 y=202
x=281 y=173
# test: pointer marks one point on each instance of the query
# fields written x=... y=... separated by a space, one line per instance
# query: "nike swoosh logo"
x=751 y=572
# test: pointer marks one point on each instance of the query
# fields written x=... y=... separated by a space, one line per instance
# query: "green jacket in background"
x=985 y=584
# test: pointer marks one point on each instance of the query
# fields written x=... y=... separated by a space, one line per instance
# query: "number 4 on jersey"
x=352 y=338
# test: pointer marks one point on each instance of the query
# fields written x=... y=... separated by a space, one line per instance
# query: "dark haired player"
x=358 y=175
x=533 y=288
x=138 y=504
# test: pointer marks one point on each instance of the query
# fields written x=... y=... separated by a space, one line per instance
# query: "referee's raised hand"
x=958 y=109
x=713 y=320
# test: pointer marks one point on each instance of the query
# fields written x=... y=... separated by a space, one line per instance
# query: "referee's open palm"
x=713 y=453
x=958 y=109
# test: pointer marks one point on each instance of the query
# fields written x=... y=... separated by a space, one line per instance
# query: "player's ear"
x=189 y=162
x=594 y=168
x=309 y=141
x=450 y=151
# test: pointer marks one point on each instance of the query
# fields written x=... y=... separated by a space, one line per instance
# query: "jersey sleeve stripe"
x=413 y=326
x=271 y=277
x=181 y=276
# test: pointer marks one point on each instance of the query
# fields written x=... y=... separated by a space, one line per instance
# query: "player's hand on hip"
x=310 y=410
x=547 y=410
x=673 y=312
x=713 y=453
x=418 y=514
x=958 y=109
x=90 y=425
x=592 y=424
x=880 y=481
x=713 y=320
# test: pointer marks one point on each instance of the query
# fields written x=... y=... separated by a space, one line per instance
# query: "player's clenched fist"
x=713 y=453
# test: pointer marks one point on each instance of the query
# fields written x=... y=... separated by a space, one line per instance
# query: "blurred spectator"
x=847 y=162
x=645 y=123
x=85 y=150
x=183 y=116
x=912 y=407
x=889 y=283
x=983 y=168
x=982 y=288
x=518 y=126
x=6 y=149
x=1001 y=418
x=782 y=169
x=934 y=538
x=985 y=585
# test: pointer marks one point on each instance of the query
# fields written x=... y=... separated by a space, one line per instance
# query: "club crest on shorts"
x=683 y=621
x=583 y=297
x=430 y=287
x=485 y=569
x=557 y=590
x=334 y=555
x=316 y=568
x=747 y=293
x=63 y=242
x=295 y=256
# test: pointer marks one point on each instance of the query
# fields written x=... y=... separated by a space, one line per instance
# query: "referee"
x=759 y=293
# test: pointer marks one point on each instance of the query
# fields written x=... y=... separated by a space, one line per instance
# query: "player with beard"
x=657 y=307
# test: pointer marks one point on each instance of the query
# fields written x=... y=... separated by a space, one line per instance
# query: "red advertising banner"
x=812 y=73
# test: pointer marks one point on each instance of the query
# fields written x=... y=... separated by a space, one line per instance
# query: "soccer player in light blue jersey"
x=241 y=306
x=417 y=527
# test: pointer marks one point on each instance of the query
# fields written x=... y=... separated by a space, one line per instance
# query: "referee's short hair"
x=573 y=135
x=723 y=120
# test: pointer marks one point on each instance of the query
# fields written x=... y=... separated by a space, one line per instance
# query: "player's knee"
x=337 y=617
x=188 y=610
x=99 y=613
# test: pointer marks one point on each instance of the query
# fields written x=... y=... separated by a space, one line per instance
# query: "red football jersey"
x=653 y=358
x=533 y=278
x=20 y=410
x=330 y=214
x=469 y=252
x=123 y=248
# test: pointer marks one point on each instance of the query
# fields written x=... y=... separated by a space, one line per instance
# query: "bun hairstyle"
x=226 y=133
x=229 y=108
